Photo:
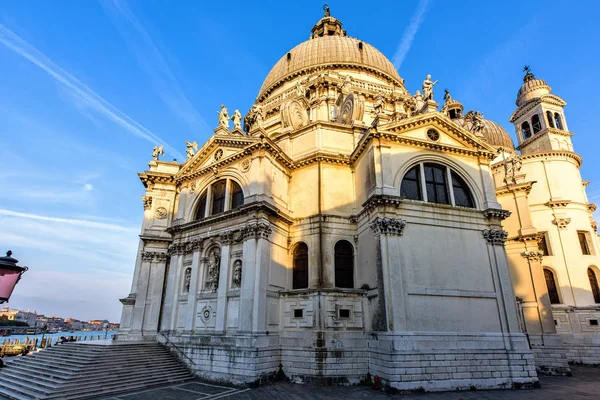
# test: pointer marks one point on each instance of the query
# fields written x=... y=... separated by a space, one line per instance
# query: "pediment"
x=449 y=134
x=218 y=150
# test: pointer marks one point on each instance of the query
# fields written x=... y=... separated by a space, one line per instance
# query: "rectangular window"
x=218 y=200
x=344 y=313
x=593 y=322
x=435 y=184
x=584 y=243
x=298 y=313
x=543 y=244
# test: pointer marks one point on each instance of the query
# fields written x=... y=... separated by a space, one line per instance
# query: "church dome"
x=531 y=89
x=496 y=136
x=329 y=47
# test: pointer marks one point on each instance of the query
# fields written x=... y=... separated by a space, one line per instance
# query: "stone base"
x=404 y=361
x=582 y=348
x=452 y=361
x=549 y=354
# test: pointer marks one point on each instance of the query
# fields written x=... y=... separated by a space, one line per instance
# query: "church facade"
x=352 y=228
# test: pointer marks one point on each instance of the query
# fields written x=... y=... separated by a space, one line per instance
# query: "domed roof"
x=329 y=47
x=496 y=136
x=531 y=88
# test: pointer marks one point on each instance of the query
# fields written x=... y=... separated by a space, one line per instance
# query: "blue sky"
x=87 y=88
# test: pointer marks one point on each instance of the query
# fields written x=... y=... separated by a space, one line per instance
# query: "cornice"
x=232 y=214
x=521 y=187
x=553 y=153
x=153 y=177
x=531 y=104
x=557 y=203
x=541 y=134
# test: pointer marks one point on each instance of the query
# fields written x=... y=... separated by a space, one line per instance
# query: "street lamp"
x=10 y=273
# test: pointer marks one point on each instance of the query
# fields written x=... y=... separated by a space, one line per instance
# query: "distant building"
x=98 y=324
x=113 y=326
x=55 y=323
x=19 y=315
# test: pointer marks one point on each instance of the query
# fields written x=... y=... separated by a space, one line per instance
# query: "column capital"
x=495 y=236
x=388 y=226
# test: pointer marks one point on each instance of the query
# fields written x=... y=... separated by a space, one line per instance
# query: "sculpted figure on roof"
x=237 y=119
x=428 y=88
x=224 y=117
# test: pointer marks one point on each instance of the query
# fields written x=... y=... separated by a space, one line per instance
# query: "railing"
x=174 y=346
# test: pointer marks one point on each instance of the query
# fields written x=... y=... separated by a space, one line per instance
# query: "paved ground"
x=584 y=384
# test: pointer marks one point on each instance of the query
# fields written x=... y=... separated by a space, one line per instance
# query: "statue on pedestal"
x=237 y=119
x=157 y=151
x=191 y=148
x=428 y=88
x=223 y=117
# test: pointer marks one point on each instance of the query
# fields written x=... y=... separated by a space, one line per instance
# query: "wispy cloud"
x=69 y=221
x=153 y=63
x=410 y=33
x=79 y=89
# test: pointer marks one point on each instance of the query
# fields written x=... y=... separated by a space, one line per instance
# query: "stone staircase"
x=85 y=370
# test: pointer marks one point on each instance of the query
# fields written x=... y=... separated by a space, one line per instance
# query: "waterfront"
x=85 y=335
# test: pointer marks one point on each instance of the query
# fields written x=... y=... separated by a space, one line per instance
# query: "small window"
x=411 y=184
x=298 y=313
x=558 y=121
x=360 y=45
x=344 y=313
x=344 y=264
x=237 y=196
x=201 y=210
x=593 y=322
x=289 y=56
x=583 y=243
x=435 y=184
x=300 y=268
x=536 y=123
x=550 y=119
x=454 y=114
x=594 y=285
x=526 y=130
x=552 y=288
x=218 y=198
x=434 y=135
x=543 y=244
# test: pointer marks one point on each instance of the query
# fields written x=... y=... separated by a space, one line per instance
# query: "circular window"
x=432 y=134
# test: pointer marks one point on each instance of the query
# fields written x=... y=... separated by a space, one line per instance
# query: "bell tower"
x=539 y=119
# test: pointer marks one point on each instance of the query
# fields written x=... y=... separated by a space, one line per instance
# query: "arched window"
x=300 y=268
x=526 y=130
x=436 y=183
x=594 y=285
x=551 y=285
x=201 y=210
x=536 y=123
x=550 y=119
x=215 y=197
x=558 y=121
x=237 y=196
x=344 y=264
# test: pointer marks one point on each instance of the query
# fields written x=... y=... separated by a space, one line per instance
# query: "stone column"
x=247 y=294
x=172 y=291
x=192 y=303
x=224 y=273
x=154 y=293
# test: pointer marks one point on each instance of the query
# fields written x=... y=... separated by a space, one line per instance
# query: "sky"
x=87 y=88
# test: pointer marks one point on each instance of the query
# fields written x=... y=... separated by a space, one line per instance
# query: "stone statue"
x=446 y=95
x=511 y=167
x=428 y=88
x=477 y=122
x=418 y=101
x=237 y=273
x=191 y=148
x=214 y=268
x=379 y=104
x=254 y=118
x=237 y=119
x=327 y=12
x=223 y=117
x=187 y=279
x=157 y=151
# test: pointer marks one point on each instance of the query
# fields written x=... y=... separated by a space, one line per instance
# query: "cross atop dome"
x=528 y=75
x=327 y=26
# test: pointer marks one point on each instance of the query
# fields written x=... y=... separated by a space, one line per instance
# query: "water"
x=88 y=335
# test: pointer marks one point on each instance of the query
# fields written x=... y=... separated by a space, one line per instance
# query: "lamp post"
x=10 y=273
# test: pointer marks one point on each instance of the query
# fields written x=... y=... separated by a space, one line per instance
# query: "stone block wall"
x=452 y=361
x=549 y=354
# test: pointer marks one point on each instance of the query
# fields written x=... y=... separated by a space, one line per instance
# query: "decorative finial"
x=326 y=8
x=447 y=95
x=8 y=253
x=527 y=69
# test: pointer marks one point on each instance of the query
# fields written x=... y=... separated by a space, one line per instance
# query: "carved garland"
x=388 y=226
x=495 y=236
x=152 y=255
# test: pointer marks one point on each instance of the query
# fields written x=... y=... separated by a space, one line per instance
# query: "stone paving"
x=584 y=384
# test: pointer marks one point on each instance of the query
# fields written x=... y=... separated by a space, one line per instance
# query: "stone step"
x=79 y=371
x=119 y=374
x=94 y=384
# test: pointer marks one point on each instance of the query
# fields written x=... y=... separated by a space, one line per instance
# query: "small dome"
x=496 y=136
x=531 y=89
x=332 y=49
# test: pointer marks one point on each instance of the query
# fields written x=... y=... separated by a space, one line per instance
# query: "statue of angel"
x=157 y=151
x=191 y=148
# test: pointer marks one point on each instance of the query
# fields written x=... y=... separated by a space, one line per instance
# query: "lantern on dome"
x=10 y=273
